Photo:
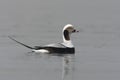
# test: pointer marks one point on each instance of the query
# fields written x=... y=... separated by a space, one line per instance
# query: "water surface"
x=39 y=22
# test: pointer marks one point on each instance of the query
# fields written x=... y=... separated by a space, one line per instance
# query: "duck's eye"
x=74 y=30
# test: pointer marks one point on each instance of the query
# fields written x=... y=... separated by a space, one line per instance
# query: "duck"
x=66 y=47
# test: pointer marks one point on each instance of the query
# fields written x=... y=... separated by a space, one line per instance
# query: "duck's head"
x=67 y=30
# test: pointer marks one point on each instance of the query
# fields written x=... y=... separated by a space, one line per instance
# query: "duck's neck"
x=68 y=43
x=66 y=39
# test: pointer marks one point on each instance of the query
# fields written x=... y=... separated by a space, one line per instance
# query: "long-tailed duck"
x=65 y=47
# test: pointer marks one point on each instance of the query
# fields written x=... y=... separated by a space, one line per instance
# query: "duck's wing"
x=57 y=45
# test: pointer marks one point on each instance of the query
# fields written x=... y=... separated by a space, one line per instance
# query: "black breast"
x=58 y=50
x=62 y=50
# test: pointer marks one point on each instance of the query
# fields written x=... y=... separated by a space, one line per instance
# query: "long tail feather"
x=21 y=43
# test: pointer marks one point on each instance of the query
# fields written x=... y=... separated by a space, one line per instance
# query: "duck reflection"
x=68 y=67
x=68 y=63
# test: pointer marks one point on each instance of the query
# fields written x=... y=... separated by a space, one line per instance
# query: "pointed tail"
x=20 y=43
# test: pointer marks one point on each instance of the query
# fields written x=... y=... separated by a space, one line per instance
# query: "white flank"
x=41 y=51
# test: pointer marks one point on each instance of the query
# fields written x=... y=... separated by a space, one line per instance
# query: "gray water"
x=39 y=22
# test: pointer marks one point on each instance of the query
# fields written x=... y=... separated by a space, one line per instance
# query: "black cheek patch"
x=66 y=35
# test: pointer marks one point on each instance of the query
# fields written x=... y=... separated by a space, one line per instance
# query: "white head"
x=67 y=31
